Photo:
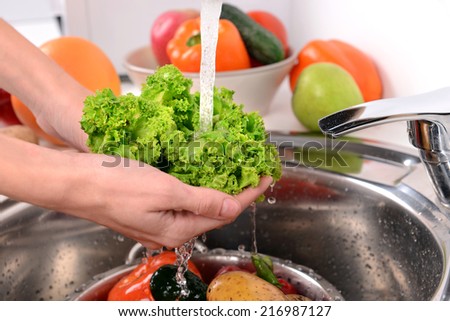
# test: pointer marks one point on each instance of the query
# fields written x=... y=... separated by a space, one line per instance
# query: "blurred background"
x=407 y=39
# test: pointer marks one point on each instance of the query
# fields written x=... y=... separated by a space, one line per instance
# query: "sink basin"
x=361 y=215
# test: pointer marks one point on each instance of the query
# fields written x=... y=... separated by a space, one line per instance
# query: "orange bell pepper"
x=136 y=285
x=184 y=49
x=358 y=64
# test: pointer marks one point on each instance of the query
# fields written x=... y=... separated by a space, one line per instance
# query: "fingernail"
x=230 y=208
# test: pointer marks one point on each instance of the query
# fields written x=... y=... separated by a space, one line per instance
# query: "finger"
x=151 y=245
x=209 y=203
x=187 y=226
x=214 y=204
x=249 y=195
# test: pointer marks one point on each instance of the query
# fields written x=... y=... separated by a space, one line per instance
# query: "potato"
x=242 y=286
x=20 y=132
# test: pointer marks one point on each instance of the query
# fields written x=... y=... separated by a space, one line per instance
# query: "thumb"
x=218 y=205
x=211 y=203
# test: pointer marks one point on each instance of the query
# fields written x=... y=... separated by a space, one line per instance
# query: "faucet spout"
x=348 y=121
x=428 y=106
x=428 y=119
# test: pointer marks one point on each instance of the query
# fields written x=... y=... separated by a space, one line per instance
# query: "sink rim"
x=437 y=216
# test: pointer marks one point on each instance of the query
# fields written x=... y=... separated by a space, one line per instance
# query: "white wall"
x=19 y=10
x=35 y=19
x=408 y=39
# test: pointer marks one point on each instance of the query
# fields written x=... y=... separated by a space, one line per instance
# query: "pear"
x=323 y=88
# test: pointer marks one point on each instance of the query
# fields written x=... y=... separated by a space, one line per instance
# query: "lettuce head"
x=161 y=128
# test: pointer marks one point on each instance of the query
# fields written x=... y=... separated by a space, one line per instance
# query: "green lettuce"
x=161 y=127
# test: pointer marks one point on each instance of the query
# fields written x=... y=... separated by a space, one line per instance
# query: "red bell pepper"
x=164 y=28
x=136 y=285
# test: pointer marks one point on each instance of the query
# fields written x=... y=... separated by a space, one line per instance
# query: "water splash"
x=184 y=254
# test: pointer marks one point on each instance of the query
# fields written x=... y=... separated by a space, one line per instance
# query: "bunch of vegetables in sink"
x=154 y=279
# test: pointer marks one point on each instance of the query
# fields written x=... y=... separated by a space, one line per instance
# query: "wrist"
x=63 y=115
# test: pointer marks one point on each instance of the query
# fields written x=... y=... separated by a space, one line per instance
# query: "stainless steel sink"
x=370 y=225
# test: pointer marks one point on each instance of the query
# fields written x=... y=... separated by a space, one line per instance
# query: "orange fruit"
x=85 y=62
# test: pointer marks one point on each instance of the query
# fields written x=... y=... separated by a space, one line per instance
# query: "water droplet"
x=253 y=225
x=271 y=200
x=272 y=185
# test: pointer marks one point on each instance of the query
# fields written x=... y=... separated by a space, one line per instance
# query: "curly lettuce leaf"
x=160 y=127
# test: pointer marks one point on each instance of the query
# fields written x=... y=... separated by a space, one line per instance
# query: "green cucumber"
x=261 y=44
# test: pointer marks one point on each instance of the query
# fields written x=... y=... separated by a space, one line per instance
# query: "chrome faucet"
x=428 y=120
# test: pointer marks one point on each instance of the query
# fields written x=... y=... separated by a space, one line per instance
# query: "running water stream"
x=209 y=14
x=209 y=29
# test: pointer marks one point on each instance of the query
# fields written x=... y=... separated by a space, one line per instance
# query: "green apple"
x=322 y=89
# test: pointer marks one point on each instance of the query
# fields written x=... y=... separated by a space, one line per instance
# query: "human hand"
x=46 y=91
x=65 y=125
x=148 y=205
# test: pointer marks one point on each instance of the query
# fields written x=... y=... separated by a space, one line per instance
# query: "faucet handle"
x=429 y=106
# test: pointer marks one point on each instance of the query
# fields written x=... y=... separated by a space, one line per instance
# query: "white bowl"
x=254 y=87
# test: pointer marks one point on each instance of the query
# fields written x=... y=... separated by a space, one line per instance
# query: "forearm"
x=32 y=173
x=32 y=76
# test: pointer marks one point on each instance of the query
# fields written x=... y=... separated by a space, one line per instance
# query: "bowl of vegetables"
x=251 y=59
x=255 y=87
x=213 y=275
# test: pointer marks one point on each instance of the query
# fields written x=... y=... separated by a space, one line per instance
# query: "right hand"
x=146 y=204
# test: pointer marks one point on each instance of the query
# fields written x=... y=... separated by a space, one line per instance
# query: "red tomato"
x=273 y=24
x=7 y=114
x=287 y=287
x=136 y=285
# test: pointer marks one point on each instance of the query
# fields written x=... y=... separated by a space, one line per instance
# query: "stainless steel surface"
x=428 y=117
x=371 y=225
x=307 y=282
x=46 y=255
